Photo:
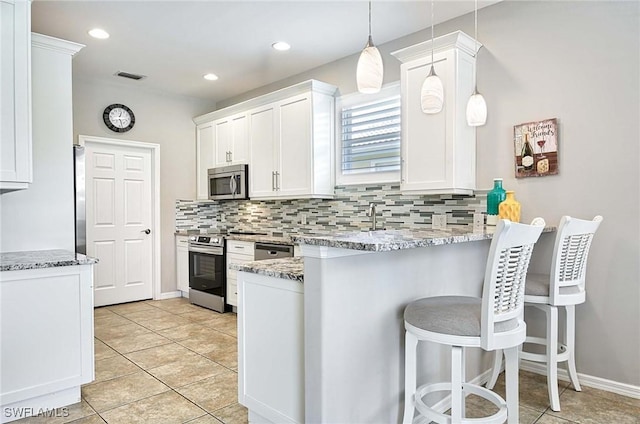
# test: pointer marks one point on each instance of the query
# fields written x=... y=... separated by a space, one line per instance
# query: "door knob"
x=147 y=231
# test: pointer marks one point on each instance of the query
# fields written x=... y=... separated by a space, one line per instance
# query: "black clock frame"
x=109 y=124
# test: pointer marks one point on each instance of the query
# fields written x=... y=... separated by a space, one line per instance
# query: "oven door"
x=207 y=270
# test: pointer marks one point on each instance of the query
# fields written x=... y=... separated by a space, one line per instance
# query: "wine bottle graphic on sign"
x=527 y=154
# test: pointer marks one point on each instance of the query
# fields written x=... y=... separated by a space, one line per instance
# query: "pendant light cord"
x=369 y=19
x=475 y=53
x=432 y=33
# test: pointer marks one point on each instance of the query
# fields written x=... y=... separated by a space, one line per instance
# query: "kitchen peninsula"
x=347 y=315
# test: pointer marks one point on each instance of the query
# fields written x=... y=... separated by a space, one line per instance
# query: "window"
x=369 y=134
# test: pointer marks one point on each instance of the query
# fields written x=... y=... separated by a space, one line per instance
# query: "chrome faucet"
x=372 y=214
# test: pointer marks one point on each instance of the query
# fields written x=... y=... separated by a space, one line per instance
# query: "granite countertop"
x=34 y=259
x=388 y=240
x=286 y=268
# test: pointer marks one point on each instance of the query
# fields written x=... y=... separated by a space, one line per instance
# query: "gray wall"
x=161 y=119
x=578 y=62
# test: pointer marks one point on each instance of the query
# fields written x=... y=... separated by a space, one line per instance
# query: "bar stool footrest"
x=562 y=354
x=467 y=389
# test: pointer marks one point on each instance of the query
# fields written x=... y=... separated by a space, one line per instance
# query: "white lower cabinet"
x=182 y=264
x=271 y=348
x=237 y=252
x=46 y=332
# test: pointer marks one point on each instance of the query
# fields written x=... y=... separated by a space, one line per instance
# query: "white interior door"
x=119 y=221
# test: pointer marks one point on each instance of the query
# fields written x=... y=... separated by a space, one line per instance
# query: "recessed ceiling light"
x=211 y=77
x=281 y=45
x=99 y=33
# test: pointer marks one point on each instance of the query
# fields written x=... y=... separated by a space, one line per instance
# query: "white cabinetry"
x=205 y=147
x=222 y=138
x=271 y=378
x=291 y=143
x=15 y=95
x=438 y=151
x=237 y=252
x=231 y=140
x=47 y=338
x=286 y=137
x=182 y=264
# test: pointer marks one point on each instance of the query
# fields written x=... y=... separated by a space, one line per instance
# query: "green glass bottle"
x=494 y=198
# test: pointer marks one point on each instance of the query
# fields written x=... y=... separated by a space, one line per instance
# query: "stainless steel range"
x=207 y=276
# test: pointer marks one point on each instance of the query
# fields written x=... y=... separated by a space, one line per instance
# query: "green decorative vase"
x=494 y=198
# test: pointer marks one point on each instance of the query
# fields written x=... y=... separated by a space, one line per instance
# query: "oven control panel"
x=207 y=240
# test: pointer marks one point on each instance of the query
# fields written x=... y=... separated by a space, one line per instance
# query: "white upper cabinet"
x=231 y=140
x=205 y=146
x=291 y=142
x=438 y=151
x=286 y=137
x=262 y=165
x=15 y=95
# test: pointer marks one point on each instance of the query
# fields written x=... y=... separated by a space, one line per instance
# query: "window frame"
x=349 y=100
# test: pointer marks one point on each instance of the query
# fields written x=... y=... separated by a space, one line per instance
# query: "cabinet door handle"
x=278 y=180
x=230 y=156
x=273 y=179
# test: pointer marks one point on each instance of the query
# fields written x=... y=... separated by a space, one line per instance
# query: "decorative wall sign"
x=536 y=148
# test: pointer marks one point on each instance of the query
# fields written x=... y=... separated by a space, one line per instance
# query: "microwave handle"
x=232 y=184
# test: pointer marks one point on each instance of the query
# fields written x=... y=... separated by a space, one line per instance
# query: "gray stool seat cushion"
x=456 y=315
x=538 y=285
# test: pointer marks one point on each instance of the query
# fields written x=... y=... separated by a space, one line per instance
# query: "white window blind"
x=371 y=136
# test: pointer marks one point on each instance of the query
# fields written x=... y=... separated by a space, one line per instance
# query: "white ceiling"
x=174 y=43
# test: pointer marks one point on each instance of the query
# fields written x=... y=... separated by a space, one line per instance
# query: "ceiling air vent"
x=130 y=76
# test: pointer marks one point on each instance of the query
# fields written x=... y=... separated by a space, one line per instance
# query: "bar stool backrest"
x=569 y=262
x=504 y=282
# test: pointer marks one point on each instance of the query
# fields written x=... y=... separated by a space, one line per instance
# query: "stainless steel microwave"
x=229 y=182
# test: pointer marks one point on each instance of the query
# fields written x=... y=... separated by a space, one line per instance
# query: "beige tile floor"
x=172 y=362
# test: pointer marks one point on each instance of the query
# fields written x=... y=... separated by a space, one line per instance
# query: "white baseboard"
x=586 y=380
x=169 y=295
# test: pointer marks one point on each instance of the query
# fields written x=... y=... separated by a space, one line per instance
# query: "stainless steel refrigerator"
x=80 y=200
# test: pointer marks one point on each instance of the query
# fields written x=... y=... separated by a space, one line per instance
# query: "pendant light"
x=370 y=70
x=476 y=107
x=432 y=93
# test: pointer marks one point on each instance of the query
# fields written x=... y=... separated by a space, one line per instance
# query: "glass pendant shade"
x=432 y=93
x=476 y=110
x=370 y=69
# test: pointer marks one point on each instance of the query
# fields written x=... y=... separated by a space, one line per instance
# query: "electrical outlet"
x=303 y=219
x=439 y=222
x=478 y=221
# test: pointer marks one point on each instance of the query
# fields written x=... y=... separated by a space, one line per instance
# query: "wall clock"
x=118 y=118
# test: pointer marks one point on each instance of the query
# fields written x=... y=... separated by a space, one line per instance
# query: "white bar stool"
x=491 y=322
x=563 y=287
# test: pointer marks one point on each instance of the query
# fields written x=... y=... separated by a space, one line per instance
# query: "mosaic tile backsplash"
x=346 y=212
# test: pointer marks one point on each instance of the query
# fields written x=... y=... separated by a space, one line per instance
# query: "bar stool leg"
x=511 y=384
x=457 y=377
x=495 y=372
x=571 y=346
x=410 y=375
x=552 y=357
